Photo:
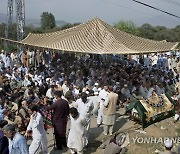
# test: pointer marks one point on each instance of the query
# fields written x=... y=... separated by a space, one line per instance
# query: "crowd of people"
x=38 y=87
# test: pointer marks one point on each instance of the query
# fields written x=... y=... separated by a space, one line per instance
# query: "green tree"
x=146 y=31
x=47 y=21
x=176 y=32
x=28 y=29
x=2 y=30
x=68 y=25
x=127 y=26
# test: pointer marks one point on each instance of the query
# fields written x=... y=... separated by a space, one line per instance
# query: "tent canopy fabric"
x=97 y=37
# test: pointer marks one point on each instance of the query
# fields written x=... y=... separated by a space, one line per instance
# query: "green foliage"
x=37 y=30
x=11 y=47
x=47 y=21
x=126 y=26
x=146 y=31
x=2 y=30
x=160 y=33
x=1 y=46
x=66 y=26
x=13 y=31
x=176 y=31
x=28 y=29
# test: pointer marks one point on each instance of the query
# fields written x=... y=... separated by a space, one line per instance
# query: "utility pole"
x=8 y=31
x=20 y=19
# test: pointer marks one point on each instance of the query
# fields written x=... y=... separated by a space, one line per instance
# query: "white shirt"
x=84 y=108
x=102 y=95
x=154 y=60
x=65 y=88
x=1 y=113
x=3 y=56
x=36 y=124
x=49 y=93
x=101 y=98
x=76 y=138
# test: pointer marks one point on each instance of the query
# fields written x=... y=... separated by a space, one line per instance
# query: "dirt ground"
x=137 y=145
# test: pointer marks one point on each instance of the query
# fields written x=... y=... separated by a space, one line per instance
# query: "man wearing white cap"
x=168 y=146
x=95 y=88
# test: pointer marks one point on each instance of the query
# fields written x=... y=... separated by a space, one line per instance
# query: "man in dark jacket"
x=60 y=118
x=3 y=139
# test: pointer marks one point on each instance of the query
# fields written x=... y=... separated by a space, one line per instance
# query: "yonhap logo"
x=154 y=140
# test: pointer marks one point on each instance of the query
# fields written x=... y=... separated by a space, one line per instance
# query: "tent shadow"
x=92 y=147
x=119 y=123
x=54 y=151
x=93 y=144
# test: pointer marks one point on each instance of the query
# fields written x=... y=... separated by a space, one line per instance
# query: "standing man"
x=3 y=139
x=76 y=138
x=65 y=87
x=36 y=125
x=60 y=118
x=109 y=111
x=101 y=98
x=93 y=96
x=17 y=143
x=85 y=106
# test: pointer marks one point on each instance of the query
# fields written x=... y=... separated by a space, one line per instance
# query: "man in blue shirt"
x=17 y=143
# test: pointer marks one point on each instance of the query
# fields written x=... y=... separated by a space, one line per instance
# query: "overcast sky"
x=110 y=11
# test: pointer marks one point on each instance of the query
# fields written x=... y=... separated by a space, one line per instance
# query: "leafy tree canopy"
x=126 y=26
x=47 y=21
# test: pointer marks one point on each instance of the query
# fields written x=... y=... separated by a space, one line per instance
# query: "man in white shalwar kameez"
x=93 y=96
x=3 y=56
x=101 y=98
x=147 y=61
x=65 y=87
x=85 y=107
x=36 y=125
x=76 y=138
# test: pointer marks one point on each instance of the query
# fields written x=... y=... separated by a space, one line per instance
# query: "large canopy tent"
x=96 y=37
